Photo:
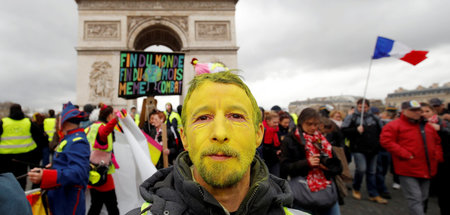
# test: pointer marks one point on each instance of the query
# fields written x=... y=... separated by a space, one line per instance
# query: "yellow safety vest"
x=91 y=136
x=16 y=137
x=49 y=127
x=172 y=116
x=137 y=119
x=294 y=117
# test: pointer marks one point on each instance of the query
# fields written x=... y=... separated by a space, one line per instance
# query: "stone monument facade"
x=204 y=29
x=421 y=94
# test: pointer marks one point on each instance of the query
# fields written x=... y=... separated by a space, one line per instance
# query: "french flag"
x=389 y=48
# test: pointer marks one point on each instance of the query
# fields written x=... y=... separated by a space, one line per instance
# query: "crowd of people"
x=69 y=152
x=413 y=144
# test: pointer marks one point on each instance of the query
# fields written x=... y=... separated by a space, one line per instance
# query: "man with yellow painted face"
x=219 y=172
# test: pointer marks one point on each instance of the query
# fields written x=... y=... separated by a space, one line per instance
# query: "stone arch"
x=204 y=29
x=157 y=32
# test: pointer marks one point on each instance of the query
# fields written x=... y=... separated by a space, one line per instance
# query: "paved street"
x=396 y=206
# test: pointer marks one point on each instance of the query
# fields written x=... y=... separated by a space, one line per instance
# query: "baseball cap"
x=413 y=104
x=71 y=114
x=435 y=102
x=328 y=107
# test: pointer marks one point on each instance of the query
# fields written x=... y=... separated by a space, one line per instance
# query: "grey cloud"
x=289 y=37
x=333 y=34
x=38 y=56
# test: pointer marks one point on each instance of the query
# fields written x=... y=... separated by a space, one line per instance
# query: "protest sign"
x=150 y=74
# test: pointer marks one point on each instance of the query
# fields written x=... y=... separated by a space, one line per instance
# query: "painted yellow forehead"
x=211 y=94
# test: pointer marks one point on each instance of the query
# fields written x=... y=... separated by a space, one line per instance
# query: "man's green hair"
x=226 y=77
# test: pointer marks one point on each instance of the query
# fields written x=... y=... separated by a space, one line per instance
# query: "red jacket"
x=403 y=140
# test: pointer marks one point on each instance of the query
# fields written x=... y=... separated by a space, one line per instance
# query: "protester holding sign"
x=157 y=119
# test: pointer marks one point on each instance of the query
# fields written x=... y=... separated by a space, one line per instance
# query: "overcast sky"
x=289 y=50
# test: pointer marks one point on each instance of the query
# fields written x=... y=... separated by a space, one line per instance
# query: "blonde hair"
x=333 y=112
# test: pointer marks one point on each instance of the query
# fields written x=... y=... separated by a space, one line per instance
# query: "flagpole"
x=365 y=92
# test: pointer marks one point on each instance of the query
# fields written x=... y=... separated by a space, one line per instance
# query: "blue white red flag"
x=389 y=48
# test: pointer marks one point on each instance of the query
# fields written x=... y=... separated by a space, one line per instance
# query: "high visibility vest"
x=16 y=137
x=49 y=127
x=137 y=119
x=91 y=136
x=294 y=117
x=172 y=116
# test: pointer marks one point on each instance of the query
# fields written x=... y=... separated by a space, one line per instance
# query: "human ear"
x=259 y=134
x=184 y=140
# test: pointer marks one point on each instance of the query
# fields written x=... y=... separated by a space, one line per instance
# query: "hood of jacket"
x=173 y=190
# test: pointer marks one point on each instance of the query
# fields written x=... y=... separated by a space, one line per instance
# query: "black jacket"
x=369 y=141
x=444 y=134
x=294 y=163
x=293 y=157
x=173 y=190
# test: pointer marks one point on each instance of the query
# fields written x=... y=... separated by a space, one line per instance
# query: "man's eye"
x=236 y=116
x=202 y=118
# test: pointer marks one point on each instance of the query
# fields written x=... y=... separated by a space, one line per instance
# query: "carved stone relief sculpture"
x=100 y=82
x=102 y=30
x=180 y=21
x=212 y=30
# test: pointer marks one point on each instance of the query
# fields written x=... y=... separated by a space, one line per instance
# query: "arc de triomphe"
x=204 y=29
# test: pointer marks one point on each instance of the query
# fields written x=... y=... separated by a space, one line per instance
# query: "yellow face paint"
x=220 y=134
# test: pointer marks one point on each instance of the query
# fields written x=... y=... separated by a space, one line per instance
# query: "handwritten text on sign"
x=150 y=73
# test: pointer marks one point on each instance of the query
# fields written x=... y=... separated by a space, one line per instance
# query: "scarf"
x=316 y=178
x=270 y=135
x=433 y=119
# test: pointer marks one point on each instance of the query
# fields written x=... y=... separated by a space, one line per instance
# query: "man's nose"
x=219 y=133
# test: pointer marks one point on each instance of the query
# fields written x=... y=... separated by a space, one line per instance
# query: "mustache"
x=225 y=150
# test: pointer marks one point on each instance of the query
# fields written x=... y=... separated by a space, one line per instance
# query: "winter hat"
x=435 y=102
x=88 y=108
x=71 y=114
x=202 y=68
x=276 y=108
